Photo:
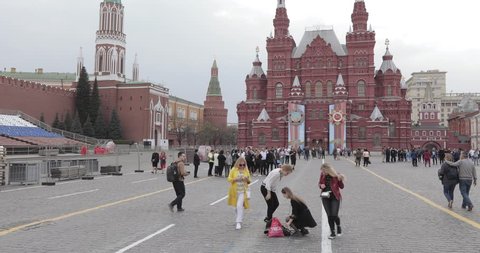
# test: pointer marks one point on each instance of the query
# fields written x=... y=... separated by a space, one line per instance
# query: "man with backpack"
x=177 y=180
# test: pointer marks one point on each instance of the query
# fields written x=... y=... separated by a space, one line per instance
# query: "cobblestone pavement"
x=387 y=207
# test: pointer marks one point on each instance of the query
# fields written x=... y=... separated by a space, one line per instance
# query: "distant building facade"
x=60 y=80
x=446 y=102
x=347 y=102
x=185 y=120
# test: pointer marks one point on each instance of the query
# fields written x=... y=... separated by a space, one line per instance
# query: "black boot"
x=332 y=235
x=339 y=230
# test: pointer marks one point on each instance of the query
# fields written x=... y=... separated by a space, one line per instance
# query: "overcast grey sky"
x=177 y=40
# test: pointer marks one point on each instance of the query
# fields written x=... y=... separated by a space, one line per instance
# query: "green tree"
x=68 y=121
x=42 y=117
x=76 y=125
x=94 y=105
x=99 y=126
x=114 y=128
x=82 y=98
x=61 y=124
x=88 y=129
x=56 y=121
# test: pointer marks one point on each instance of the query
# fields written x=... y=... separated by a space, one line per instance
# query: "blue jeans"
x=465 y=191
x=448 y=191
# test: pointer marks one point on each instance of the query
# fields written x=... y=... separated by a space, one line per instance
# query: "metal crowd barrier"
x=24 y=173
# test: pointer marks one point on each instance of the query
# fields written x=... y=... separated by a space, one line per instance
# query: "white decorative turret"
x=79 y=63
x=263 y=116
x=340 y=91
x=281 y=4
x=257 y=67
x=110 y=42
x=376 y=114
x=136 y=70
x=388 y=63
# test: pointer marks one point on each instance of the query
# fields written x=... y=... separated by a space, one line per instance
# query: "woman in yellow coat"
x=239 y=179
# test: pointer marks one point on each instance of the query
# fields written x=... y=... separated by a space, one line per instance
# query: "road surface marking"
x=141 y=181
x=73 y=194
x=424 y=199
x=326 y=243
x=146 y=238
x=88 y=210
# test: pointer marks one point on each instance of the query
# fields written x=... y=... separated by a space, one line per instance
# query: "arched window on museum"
x=361 y=88
x=417 y=133
x=431 y=133
x=318 y=89
x=438 y=133
x=389 y=90
x=432 y=115
x=329 y=88
x=275 y=134
x=278 y=90
x=426 y=116
x=424 y=133
x=308 y=92
x=377 y=140
x=261 y=139
x=100 y=63
x=362 y=133
x=391 y=129
x=255 y=95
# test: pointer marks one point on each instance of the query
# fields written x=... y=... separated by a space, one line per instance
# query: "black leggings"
x=332 y=206
x=272 y=203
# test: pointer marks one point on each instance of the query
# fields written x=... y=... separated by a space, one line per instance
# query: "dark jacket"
x=444 y=171
x=301 y=215
x=335 y=185
x=196 y=159
x=221 y=160
x=155 y=157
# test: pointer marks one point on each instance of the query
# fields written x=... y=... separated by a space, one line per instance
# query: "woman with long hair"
x=301 y=216
x=448 y=174
x=239 y=179
x=330 y=184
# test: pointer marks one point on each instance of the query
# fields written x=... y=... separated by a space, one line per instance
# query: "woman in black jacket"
x=221 y=162
x=301 y=216
x=449 y=176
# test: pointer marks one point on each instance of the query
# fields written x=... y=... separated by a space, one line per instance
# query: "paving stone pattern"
x=375 y=215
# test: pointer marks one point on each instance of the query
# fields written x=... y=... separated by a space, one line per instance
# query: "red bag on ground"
x=275 y=229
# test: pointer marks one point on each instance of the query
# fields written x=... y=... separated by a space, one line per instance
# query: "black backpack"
x=452 y=173
x=172 y=173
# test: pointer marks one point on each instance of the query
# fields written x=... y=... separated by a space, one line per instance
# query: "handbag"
x=326 y=194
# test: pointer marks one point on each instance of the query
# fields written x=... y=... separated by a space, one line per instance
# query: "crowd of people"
x=456 y=167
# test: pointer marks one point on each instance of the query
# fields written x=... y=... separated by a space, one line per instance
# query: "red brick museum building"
x=320 y=73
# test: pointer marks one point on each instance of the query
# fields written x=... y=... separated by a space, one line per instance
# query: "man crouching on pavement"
x=179 y=185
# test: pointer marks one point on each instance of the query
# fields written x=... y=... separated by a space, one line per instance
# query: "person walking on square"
x=155 y=160
x=210 y=162
x=293 y=158
x=426 y=158
x=449 y=176
x=221 y=163
x=269 y=187
x=466 y=173
x=196 y=163
x=239 y=179
x=330 y=184
x=413 y=155
x=358 y=157
x=163 y=161
x=228 y=163
x=366 y=158
x=179 y=185
x=301 y=216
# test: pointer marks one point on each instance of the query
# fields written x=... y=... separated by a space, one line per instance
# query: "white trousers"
x=240 y=209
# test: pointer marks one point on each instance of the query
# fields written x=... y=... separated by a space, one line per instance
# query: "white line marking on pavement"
x=220 y=200
x=326 y=243
x=151 y=179
x=72 y=194
x=21 y=189
x=146 y=238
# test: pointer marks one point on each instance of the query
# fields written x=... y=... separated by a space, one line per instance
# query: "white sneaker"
x=239 y=225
